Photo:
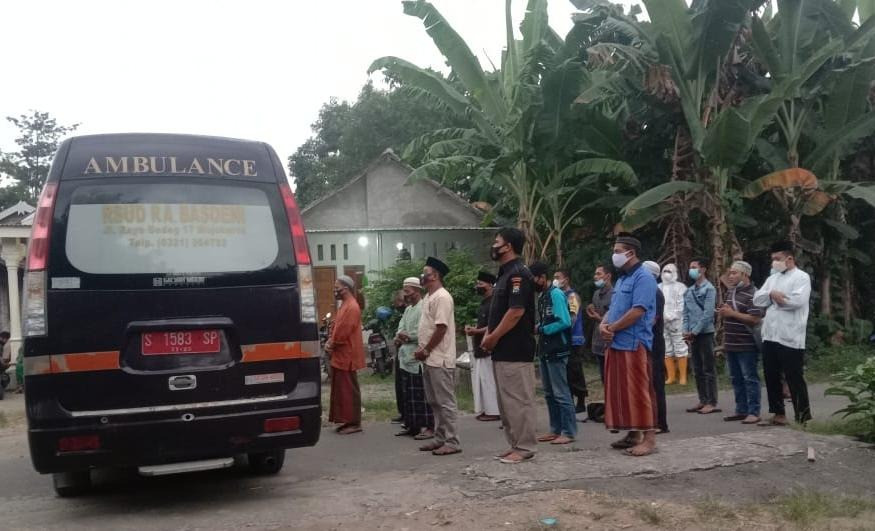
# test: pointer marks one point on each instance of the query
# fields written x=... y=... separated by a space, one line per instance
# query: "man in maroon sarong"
x=347 y=352
x=630 y=402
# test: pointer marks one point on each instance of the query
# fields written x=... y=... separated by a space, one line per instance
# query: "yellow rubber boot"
x=670 y=370
x=682 y=368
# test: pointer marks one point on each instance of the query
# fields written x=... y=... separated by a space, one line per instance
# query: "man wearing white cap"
x=416 y=414
x=740 y=319
x=347 y=353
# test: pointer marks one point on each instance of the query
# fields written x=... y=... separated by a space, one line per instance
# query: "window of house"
x=320 y=254
x=345 y=251
x=434 y=248
x=333 y=252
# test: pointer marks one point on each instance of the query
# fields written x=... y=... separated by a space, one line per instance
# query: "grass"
x=805 y=508
x=650 y=515
x=712 y=509
x=823 y=365
x=851 y=426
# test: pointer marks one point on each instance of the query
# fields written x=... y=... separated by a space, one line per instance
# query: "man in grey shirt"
x=601 y=300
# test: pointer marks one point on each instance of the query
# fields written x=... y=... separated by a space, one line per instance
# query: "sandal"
x=771 y=422
x=640 y=453
x=424 y=435
x=733 y=418
x=751 y=419
x=503 y=454
x=547 y=437
x=695 y=409
x=515 y=458
x=713 y=409
x=350 y=430
x=430 y=447
x=446 y=450
x=624 y=443
x=405 y=433
x=562 y=439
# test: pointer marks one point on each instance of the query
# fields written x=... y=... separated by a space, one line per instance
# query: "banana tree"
x=703 y=46
x=828 y=116
x=520 y=113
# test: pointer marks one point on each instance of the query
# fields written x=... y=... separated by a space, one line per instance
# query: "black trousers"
x=399 y=387
x=778 y=359
x=704 y=368
x=576 y=379
x=657 y=379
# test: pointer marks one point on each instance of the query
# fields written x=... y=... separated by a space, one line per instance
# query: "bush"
x=858 y=386
x=460 y=284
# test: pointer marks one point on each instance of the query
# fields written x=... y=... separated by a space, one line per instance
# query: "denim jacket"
x=699 y=305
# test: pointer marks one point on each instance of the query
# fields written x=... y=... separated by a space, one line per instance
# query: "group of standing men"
x=645 y=333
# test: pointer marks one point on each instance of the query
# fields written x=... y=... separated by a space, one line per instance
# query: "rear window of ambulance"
x=170 y=228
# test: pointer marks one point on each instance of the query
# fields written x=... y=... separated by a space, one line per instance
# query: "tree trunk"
x=847 y=294
x=677 y=244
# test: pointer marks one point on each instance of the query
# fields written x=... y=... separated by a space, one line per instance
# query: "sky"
x=253 y=69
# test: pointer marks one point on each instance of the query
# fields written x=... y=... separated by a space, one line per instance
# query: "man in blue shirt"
x=700 y=302
x=554 y=347
x=630 y=403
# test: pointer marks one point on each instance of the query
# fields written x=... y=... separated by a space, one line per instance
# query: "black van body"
x=169 y=310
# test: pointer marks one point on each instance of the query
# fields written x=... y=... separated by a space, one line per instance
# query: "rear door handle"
x=182 y=382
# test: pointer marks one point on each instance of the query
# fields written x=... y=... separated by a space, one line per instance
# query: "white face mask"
x=619 y=259
x=668 y=276
x=556 y=283
x=779 y=265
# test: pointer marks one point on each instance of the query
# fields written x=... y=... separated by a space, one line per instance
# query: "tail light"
x=79 y=443
x=37 y=260
x=307 y=292
x=296 y=226
x=282 y=424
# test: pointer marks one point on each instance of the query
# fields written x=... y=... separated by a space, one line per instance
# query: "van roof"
x=156 y=154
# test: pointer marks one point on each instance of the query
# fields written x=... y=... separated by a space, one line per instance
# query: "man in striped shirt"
x=740 y=318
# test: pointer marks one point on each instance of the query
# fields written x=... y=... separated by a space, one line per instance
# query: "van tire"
x=267 y=462
x=69 y=484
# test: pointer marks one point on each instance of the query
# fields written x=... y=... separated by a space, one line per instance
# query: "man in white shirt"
x=437 y=351
x=785 y=296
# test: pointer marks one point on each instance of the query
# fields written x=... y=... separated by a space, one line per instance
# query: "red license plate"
x=181 y=342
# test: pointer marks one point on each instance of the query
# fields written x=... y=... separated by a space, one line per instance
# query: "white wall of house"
x=381 y=247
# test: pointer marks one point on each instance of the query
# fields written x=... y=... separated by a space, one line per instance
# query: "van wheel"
x=267 y=462
x=68 y=484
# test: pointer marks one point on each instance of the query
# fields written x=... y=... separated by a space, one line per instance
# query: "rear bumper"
x=156 y=439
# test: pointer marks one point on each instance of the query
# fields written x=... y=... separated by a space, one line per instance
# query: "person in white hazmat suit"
x=676 y=349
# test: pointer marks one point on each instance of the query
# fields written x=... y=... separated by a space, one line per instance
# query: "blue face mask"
x=694 y=274
x=599 y=283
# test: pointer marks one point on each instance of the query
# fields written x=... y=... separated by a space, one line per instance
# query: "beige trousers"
x=515 y=383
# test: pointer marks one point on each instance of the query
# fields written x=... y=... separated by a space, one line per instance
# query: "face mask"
x=494 y=253
x=556 y=283
x=480 y=290
x=694 y=274
x=619 y=259
x=667 y=276
x=338 y=294
x=773 y=271
x=599 y=283
x=779 y=265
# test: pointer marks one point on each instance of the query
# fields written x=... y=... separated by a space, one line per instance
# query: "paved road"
x=373 y=472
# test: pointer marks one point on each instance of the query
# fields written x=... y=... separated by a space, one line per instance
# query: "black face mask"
x=480 y=290
x=495 y=254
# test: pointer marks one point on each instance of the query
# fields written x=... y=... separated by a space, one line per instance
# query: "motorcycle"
x=382 y=358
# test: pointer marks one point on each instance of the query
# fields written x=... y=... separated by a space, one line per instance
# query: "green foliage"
x=39 y=136
x=349 y=136
x=858 y=386
x=460 y=284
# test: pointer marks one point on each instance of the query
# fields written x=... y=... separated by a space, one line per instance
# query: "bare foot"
x=562 y=439
x=647 y=446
